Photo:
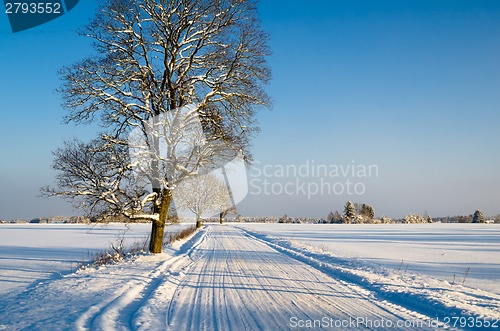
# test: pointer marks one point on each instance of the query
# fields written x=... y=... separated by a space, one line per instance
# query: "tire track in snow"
x=356 y=284
x=123 y=307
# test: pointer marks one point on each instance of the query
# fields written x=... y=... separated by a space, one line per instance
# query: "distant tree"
x=428 y=219
x=386 y=219
x=349 y=212
x=478 y=217
x=337 y=217
x=414 y=218
x=202 y=194
x=331 y=217
x=367 y=211
x=358 y=207
x=224 y=213
x=362 y=209
x=371 y=212
x=283 y=219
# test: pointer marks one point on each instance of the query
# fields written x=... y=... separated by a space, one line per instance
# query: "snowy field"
x=253 y=277
x=31 y=253
x=442 y=251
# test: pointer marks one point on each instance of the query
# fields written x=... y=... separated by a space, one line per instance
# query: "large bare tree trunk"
x=158 y=226
x=198 y=222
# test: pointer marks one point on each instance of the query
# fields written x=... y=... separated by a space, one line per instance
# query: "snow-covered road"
x=239 y=283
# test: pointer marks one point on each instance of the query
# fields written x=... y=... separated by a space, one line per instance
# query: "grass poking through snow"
x=118 y=251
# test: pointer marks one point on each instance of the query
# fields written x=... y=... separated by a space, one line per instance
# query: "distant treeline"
x=53 y=220
x=464 y=219
x=332 y=218
x=311 y=220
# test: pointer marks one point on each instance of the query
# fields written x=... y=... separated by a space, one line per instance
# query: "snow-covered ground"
x=30 y=253
x=240 y=277
x=443 y=251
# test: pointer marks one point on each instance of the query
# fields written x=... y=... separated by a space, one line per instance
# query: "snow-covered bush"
x=386 y=220
x=360 y=219
x=414 y=218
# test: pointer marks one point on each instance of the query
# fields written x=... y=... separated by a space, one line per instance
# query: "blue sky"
x=410 y=86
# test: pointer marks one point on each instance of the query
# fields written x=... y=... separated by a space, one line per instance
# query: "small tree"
x=367 y=211
x=201 y=195
x=334 y=217
x=330 y=218
x=357 y=208
x=478 y=217
x=349 y=212
x=385 y=219
x=284 y=219
x=414 y=218
x=224 y=213
x=337 y=216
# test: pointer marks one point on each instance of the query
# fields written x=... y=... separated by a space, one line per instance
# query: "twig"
x=465 y=276
x=400 y=265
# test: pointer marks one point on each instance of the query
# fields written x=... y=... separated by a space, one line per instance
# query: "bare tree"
x=153 y=57
x=96 y=176
x=224 y=213
x=203 y=195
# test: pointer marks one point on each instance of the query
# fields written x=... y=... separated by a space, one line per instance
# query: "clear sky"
x=411 y=87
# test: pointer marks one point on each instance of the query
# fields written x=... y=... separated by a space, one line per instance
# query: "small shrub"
x=170 y=238
x=414 y=219
x=386 y=220
x=117 y=253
